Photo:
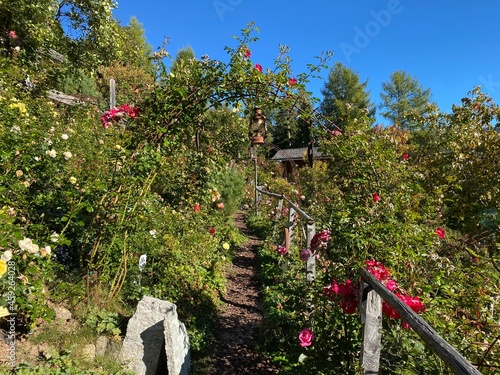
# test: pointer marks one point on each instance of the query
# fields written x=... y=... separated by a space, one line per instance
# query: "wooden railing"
x=373 y=292
x=290 y=229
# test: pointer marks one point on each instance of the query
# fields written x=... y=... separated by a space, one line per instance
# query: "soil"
x=239 y=321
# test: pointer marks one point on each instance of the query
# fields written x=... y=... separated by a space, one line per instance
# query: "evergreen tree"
x=182 y=61
x=134 y=48
x=133 y=69
x=290 y=129
x=402 y=98
x=344 y=95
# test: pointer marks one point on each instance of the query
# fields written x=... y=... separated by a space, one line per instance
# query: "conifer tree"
x=403 y=98
x=344 y=95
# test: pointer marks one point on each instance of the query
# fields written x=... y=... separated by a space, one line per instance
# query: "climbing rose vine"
x=116 y=114
x=346 y=294
x=320 y=240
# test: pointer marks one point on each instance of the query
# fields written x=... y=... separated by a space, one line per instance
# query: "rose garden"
x=88 y=190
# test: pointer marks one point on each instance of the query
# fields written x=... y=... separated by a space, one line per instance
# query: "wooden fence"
x=371 y=295
x=373 y=292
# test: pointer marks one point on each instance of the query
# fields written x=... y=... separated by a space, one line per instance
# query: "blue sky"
x=450 y=46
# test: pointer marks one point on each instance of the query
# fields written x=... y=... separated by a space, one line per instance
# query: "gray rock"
x=145 y=347
x=100 y=346
x=176 y=347
x=108 y=347
x=62 y=313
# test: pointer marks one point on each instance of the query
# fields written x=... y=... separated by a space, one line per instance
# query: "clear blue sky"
x=450 y=46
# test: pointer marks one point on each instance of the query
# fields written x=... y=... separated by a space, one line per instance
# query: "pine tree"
x=344 y=95
x=402 y=98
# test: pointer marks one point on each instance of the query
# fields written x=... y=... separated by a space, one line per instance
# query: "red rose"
x=292 y=81
x=258 y=67
x=197 y=208
x=440 y=232
x=376 y=197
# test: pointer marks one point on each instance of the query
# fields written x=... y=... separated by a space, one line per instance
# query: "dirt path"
x=239 y=321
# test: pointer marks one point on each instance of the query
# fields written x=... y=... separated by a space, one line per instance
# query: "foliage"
x=343 y=93
x=402 y=96
x=387 y=194
x=82 y=202
x=85 y=194
x=104 y=322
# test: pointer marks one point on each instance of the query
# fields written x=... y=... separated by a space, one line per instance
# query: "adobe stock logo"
x=223 y=6
x=364 y=36
x=489 y=83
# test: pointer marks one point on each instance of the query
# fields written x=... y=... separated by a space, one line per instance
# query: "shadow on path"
x=239 y=321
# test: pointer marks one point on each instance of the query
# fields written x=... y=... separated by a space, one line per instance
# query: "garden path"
x=239 y=321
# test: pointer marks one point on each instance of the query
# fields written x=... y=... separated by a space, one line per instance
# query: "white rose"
x=6 y=256
x=28 y=245
x=64 y=136
x=52 y=153
x=54 y=237
x=46 y=251
x=67 y=155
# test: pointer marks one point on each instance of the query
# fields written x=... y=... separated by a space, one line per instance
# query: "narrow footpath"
x=239 y=321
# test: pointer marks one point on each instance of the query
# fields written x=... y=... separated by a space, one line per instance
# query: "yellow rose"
x=225 y=246
x=4 y=311
x=3 y=268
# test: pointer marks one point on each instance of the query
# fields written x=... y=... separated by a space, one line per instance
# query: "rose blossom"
x=306 y=336
x=7 y=255
x=440 y=232
x=305 y=254
x=282 y=250
x=52 y=153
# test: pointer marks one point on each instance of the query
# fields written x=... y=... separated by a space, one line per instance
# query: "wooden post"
x=371 y=318
x=453 y=359
x=278 y=215
x=287 y=239
x=256 y=202
x=311 y=262
x=280 y=208
x=291 y=224
x=112 y=93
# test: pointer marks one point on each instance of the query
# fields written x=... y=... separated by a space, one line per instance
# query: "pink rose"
x=305 y=254
x=306 y=336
